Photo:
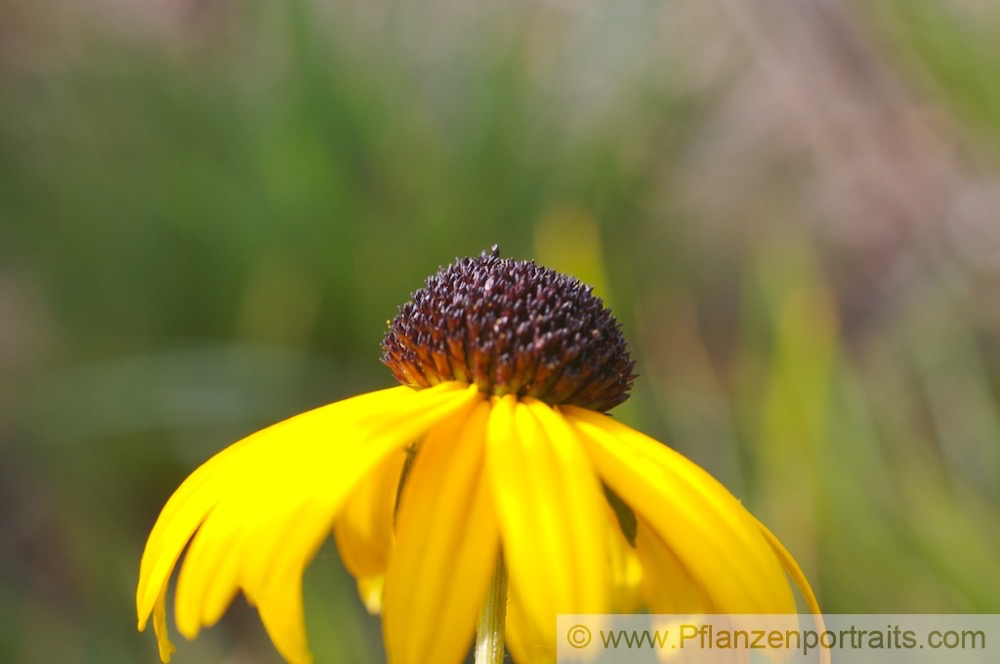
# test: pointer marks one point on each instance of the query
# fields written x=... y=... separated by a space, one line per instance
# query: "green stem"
x=489 y=632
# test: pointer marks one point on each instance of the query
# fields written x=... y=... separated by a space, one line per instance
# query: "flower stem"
x=489 y=632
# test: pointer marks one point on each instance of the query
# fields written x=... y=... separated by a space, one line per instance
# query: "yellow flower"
x=496 y=447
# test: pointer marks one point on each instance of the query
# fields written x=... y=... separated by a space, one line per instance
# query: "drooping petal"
x=802 y=582
x=364 y=527
x=447 y=542
x=584 y=508
x=370 y=591
x=208 y=484
x=536 y=644
x=262 y=507
x=626 y=571
x=528 y=644
x=163 y=643
x=667 y=587
x=551 y=511
x=793 y=570
x=711 y=534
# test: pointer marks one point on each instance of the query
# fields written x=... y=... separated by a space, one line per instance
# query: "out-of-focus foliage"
x=208 y=210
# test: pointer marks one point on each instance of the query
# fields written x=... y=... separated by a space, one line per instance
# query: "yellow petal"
x=363 y=529
x=208 y=484
x=793 y=570
x=667 y=586
x=531 y=644
x=526 y=642
x=552 y=513
x=262 y=507
x=178 y=519
x=626 y=570
x=163 y=643
x=712 y=535
x=446 y=546
x=370 y=590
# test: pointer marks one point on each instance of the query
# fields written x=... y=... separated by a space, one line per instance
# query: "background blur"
x=210 y=208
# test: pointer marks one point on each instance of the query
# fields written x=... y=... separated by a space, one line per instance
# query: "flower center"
x=511 y=327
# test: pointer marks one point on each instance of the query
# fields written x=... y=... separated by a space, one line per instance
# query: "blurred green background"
x=209 y=209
